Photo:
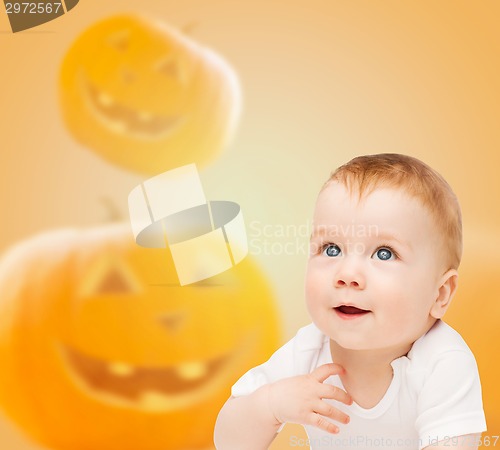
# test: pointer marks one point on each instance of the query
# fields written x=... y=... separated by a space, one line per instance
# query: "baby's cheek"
x=312 y=289
x=309 y=282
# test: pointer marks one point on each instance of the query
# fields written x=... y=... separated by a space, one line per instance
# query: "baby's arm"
x=246 y=422
x=251 y=421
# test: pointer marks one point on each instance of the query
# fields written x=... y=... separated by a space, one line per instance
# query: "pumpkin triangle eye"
x=114 y=283
x=109 y=276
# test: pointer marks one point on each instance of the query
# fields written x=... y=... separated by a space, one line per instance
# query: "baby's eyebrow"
x=390 y=237
x=348 y=232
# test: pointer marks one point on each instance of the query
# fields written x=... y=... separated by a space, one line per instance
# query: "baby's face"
x=374 y=269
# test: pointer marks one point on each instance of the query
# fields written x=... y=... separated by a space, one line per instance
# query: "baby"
x=377 y=367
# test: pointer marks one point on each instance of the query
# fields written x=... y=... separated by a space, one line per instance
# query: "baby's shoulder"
x=439 y=365
x=306 y=347
x=309 y=338
x=439 y=343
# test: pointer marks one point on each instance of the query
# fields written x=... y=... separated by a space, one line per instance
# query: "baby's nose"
x=352 y=283
x=349 y=275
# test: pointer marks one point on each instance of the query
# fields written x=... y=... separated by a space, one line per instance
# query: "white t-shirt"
x=434 y=395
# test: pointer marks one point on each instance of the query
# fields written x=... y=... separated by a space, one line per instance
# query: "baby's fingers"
x=335 y=393
x=320 y=422
x=331 y=412
x=321 y=373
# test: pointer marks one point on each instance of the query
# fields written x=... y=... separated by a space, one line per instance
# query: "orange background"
x=323 y=81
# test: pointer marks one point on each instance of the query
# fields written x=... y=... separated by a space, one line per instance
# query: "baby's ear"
x=447 y=287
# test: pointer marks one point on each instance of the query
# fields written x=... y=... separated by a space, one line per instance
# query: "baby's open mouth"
x=348 y=311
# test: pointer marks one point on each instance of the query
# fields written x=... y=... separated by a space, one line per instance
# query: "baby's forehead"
x=337 y=196
x=357 y=231
x=383 y=211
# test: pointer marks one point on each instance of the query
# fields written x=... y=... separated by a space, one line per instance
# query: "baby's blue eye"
x=384 y=254
x=331 y=250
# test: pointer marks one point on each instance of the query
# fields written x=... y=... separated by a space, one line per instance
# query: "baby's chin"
x=346 y=340
x=353 y=343
x=350 y=344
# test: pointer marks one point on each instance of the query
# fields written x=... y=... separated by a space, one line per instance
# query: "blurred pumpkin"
x=475 y=314
x=145 y=97
x=100 y=348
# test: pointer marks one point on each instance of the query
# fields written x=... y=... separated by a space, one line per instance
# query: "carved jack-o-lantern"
x=146 y=97
x=100 y=348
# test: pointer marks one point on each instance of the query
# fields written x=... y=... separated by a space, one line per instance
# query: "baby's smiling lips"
x=350 y=312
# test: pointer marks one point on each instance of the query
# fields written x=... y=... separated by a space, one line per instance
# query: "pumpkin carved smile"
x=124 y=120
x=149 y=388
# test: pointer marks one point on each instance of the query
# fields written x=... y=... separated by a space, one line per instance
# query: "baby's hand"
x=299 y=399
